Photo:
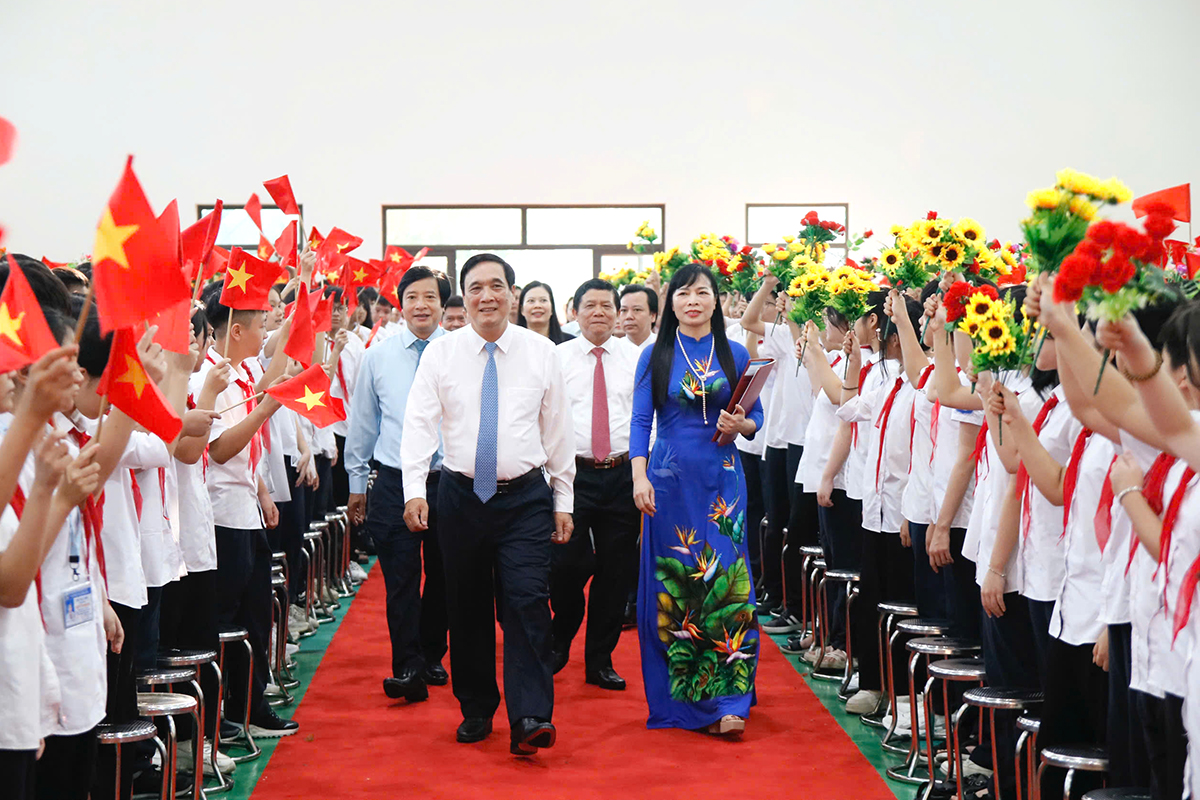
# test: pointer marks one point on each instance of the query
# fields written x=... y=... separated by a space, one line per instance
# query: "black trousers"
x=1165 y=740
x=189 y=622
x=341 y=479
x=842 y=540
x=19 y=768
x=417 y=621
x=929 y=585
x=67 y=767
x=777 y=495
x=886 y=574
x=288 y=535
x=1128 y=762
x=755 y=511
x=319 y=500
x=121 y=705
x=1009 y=657
x=604 y=549
x=1040 y=612
x=244 y=600
x=149 y=627
x=510 y=535
x=1075 y=710
x=963 y=605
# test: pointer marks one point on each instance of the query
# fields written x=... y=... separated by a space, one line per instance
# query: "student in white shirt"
x=496 y=391
x=345 y=377
x=604 y=546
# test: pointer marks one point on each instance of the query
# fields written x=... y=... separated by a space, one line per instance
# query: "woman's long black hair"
x=664 y=346
x=556 y=332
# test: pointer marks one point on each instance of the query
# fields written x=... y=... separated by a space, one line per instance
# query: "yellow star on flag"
x=110 y=240
x=239 y=276
x=135 y=376
x=395 y=257
x=9 y=325
x=360 y=275
x=341 y=248
x=311 y=398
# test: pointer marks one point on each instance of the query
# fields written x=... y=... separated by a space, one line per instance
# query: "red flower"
x=839 y=227
x=850 y=262
x=1103 y=233
x=1014 y=278
x=811 y=218
x=1155 y=254
x=1075 y=273
x=956 y=299
x=1131 y=241
x=1159 y=209
x=1159 y=226
x=931 y=215
x=1117 y=271
x=1090 y=249
x=868 y=233
x=745 y=250
x=994 y=244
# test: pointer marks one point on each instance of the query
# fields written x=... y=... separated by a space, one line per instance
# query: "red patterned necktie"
x=601 y=443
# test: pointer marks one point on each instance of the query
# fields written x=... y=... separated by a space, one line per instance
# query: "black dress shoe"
x=606 y=678
x=474 y=729
x=530 y=734
x=408 y=685
x=436 y=675
x=561 y=657
x=630 y=616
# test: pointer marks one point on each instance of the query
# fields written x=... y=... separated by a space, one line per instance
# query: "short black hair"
x=336 y=293
x=71 y=278
x=93 y=348
x=595 y=284
x=415 y=274
x=651 y=296
x=218 y=313
x=368 y=295
x=47 y=288
x=510 y=276
x=455 y=301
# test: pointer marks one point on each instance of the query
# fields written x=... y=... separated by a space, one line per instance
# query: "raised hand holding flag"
x=308 y=395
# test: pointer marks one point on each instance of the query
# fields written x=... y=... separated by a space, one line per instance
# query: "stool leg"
x=171 y=764
x=198 y=750
x=164 y=758
x=222 y=784
x=117 y=784
x=822 y=624
x=1019 y=750
x=849 y=671
x=995 y=756
x=783 y=569
x=957 y=760
x=249 y=693
x=927 y=704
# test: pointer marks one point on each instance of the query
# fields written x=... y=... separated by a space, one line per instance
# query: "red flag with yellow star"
x=389 y=288
x=308 y=395
x=285 y=245
x=130 y=389
x=280 y=190
x=302 y=338
x=24 y=335
x=265 y=251
x=248 y=281
x=253 y=208
x=314 y=239
x=331 y=254
x=135 y=265
x=322 y=315
x=197 y=243
x=399 y=258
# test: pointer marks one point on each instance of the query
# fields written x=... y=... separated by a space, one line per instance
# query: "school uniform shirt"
x=1139 y=567
x=344 y=379
x=233 y=486
x=791 y=403
x=883 y=418
x=1115 y=602
x=578 y=364
x=860 y=442
x=534 y=426
x=818 y=438
x=752 y=447
x=1076 y=617
x=945 y=456
x=162 y=557
x=917 y=502
x=192 y=515
x=1040 y=544
x=1188 y=637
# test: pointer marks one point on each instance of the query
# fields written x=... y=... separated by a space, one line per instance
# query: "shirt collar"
x=609 y=345
x=504 y=342
x=407 y=337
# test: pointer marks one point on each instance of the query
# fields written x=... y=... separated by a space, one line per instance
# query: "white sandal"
x=728 y=724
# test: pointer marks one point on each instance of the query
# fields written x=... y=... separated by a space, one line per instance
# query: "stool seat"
x=1117 y=794
x=318 y=526
x=904 y=609
x=279 y=555
x=924 y=627
x=333 y=517
x=231 y=634
x=278 y=580
x=1028 y=724
x=312 y=535
x=942 y=646
x=958 y=669
x=1090 y=758
x=138 y=730
x=164 y=704
x=186 y=658
x=819 y=563
x=841 y=575
x=166 y=677
x=1002 y=698
x=811 y=550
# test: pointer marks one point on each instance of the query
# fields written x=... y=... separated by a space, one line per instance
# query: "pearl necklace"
x=698 y=373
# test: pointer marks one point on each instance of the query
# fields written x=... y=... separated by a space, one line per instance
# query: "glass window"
x=588 y=225
x=452 y=226
x=770 y=223
x=638 y=263
x=238 y=230
x=563 y=269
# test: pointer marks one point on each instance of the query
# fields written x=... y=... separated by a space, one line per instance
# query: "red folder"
x=748 y=388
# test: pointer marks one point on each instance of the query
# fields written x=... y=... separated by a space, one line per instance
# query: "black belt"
x=502 y=487
x=605 y=463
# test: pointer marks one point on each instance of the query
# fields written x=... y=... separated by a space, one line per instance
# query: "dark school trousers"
x=886 y=574
x=189 y=622
x=1075 y=710
x=19 y=768
x=777 y=495
x=1128 y=762
x=1009 y=658
x=67 y=767
x=841 y=536
x=121 y=705
x=755 y=511
x=244 y=600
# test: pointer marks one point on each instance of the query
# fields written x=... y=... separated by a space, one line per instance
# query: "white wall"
x=897 y=107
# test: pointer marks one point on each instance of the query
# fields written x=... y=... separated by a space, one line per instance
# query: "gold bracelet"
x=1158 y=362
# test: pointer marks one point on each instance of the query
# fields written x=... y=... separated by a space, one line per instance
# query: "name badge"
x=77 y=607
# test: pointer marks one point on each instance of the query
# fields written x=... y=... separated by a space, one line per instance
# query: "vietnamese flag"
x=197 y=243
x=302 y=338
x=331 y=254
x=308 y=395
x=322 y=315
x=401 y=259
x=1177 y=197
x=130 y=389
x=253 y=207
x=361 y=273
x=54 y=264
x=265 y=251
x=135 y=267
x=280 y=190
x=248 y=281
x=169 y=222
x=174 y=327
x=389 y=288
x=24 y=335
x=285 y=245
x=314 y=239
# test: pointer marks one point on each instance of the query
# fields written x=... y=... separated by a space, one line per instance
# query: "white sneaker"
x=297 y=622
x=357 y=573
x=292 y=649
x=810 y=655
x=969 y=767
x=272 y=689
x=852 y=686
x=224 y=762
x=904 y=719
x=864 y=701
x=834 y=659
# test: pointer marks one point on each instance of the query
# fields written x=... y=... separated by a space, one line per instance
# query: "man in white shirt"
x=639 y=314
x=599 y=371
x=454 y=315
x=496 y=392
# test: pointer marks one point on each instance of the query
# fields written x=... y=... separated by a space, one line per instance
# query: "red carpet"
x=354 y=742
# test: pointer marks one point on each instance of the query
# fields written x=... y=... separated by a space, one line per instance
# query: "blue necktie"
x=420 y=344
x=489 y=414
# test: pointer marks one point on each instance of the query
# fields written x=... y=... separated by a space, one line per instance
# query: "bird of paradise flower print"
x=729 y=524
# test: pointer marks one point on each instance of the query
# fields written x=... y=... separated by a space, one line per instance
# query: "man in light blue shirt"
x=417 y=624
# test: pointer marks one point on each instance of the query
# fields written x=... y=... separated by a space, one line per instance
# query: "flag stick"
x=228 y=328
x=242 y=402
x=87 y=305
x=100 y=418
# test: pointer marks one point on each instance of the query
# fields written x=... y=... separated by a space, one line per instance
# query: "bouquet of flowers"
x=643 y=238
x=848 y=290
x=666 y=262
x=734 y=266
x=804 y=250
x=810 y=291
x=625 y=276
x=1060 y=216
x=991 y=324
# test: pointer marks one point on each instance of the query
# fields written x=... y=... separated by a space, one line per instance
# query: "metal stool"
x=1117 y=794
x=1089 y=758
x=1029 y=727
x=889 y=613
x=969 y=670
x=329 y=595
x=314 y=539
x=762 y=546
x=912 y=626
x=168 y=705
x=196 y=659
x=339 y=540
x=849 y=578
x=808 y=605
x=931 y=646
x=229 y=635
x=122 y=733
x=279 y=639
x=347 y=549
x=993 y=699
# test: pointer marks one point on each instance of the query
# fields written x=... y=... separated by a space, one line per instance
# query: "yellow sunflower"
x=1113 y=191
x=969 y=231
x=1043 y=198
x=971 y=326
x=1083 y=208
x=951 y=255
x=1071 y=180
x=890 y=258
x=802 y=262
x=932 y=230
x=981 y=306
x=998 y=343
